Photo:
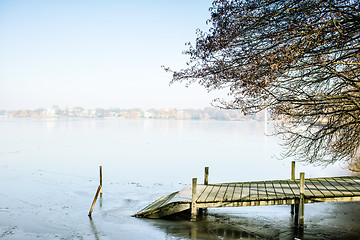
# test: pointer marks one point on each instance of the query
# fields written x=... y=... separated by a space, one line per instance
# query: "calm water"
x=50 y=173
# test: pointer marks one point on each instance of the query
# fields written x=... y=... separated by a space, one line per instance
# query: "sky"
x=93 y=54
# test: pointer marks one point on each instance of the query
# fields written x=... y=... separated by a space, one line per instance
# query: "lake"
x=50 y=173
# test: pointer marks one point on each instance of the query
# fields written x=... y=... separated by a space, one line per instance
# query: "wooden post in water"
x=203 y=211
x=193 y=200
x=292 y=179
x=101 y=181
x=302 y=198
x=206 y=177
x=297 y=203
x=93 y=204
x=293 y=170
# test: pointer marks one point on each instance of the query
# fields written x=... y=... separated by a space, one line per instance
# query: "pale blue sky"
x=97 y=53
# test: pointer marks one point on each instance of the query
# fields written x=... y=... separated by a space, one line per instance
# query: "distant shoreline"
x=121 y=118
x=136 y=113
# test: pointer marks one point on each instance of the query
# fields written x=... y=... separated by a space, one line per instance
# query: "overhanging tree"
x=298 y=59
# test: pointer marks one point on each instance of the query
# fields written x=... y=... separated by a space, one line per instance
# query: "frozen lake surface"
x=49 y=173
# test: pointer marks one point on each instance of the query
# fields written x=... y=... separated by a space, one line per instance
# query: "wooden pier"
x=259 y=193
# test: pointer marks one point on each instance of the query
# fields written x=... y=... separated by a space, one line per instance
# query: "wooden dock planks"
x=276 y=192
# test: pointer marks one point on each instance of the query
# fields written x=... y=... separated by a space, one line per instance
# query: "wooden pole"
x=292 y=179
x=193 y=200
x=293 y=170
x=93 y=204
x=297 y=201
x=206 y=177
x=203 y=211
x=101 y=181
x=302 y=196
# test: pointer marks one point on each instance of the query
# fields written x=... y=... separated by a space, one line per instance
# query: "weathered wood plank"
x=221 y=193
x=238 y=192
x=270 y=190
x=236 y=186
x=253 y=193
x=245 y=191
x=330 y=188
x=341 y=185
x=333 y=187
x=295 y=186
x=310 y=189
x=204 y=195
x=333 y=199
x=156 y=204
x=278 y=189
x=322 y=185
x=160 y=201
x=203 y=192
x=229 y=192
x=353 y=184
x=286 y=189
x=213 y=193
x=316 y=190
x=262 y=193
x=292 y=185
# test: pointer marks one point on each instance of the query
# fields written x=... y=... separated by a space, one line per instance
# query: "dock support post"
x=302 y=198
x=193 y=200
x=101 y=181
x=292 y=179
x=203 y=211
x=93 y=204
x=206 y=177
x=297 y=203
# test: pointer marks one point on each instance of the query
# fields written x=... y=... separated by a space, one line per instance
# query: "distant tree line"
x=134 y=113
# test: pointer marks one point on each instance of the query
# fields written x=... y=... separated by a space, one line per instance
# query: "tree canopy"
x=298 y=59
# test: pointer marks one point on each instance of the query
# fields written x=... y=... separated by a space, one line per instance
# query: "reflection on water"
x=93 y=228
x=100 y=200
x=49 y=171
x=205 y=228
